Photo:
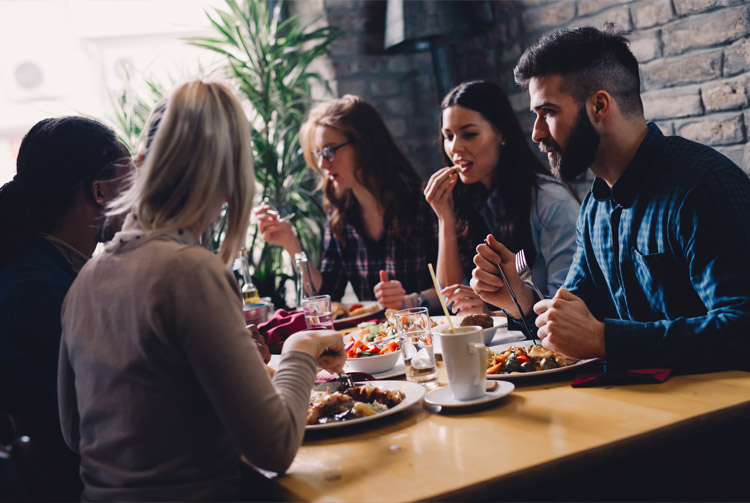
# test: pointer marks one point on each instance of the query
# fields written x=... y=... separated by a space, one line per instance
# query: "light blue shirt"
x=554 y=213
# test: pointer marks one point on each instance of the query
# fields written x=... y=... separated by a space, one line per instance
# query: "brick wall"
x=694 y=56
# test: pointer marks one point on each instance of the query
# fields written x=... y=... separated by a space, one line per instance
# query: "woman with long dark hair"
x=492 y=183
x=53 y=216
x=380 y=234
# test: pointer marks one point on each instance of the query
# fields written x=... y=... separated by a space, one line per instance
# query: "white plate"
x=353 y=320
x=525 y=375
x=444 y=398
x=414 y=393
x=397 y=369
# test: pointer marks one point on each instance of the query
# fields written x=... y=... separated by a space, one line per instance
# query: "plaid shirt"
x=664 y=259
x=358 y=259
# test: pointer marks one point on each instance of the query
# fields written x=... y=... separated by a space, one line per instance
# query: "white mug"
x=465 y=357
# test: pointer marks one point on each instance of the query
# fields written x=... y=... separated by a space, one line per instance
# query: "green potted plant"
x=270 y=58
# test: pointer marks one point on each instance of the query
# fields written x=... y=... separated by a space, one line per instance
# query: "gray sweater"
x=161 y=387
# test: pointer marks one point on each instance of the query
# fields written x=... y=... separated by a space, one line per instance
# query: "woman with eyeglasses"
x=492 y=183
x=380 y=233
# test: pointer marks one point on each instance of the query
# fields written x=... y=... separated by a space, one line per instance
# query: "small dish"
x=443 y=397
x=376 y=364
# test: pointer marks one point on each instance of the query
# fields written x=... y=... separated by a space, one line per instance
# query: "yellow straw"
x=440 y=297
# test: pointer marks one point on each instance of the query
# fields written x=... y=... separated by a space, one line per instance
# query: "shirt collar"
x=72 y=256
x=134 y=235
x=626 y=188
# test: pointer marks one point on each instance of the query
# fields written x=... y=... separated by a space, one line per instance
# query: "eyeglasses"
x=328 y=153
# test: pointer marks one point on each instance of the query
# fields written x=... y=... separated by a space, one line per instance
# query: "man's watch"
x=422 y=300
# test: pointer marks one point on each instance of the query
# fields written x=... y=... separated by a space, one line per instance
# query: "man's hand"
x=567 y=326
x=389 y=293
x=487 y=283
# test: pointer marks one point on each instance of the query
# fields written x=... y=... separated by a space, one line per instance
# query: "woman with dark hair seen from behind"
x=162 y=389
x=492 y=183
x=380 y=234
x=52 y=218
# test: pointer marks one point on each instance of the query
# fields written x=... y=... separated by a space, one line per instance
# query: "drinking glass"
x=414 y=330
x=318 y=312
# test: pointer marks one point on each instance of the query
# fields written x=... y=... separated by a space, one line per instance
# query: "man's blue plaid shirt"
x=663 y=259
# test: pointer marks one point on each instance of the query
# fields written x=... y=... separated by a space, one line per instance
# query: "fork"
x=524 y=272
x=528 y=333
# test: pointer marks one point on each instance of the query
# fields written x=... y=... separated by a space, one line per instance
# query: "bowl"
x=487 y=333
x=374 y=364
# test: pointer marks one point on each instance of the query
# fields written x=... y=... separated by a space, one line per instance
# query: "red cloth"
x=281 y=325
x=639 y=376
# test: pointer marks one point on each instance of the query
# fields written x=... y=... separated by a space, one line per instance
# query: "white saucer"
x=443 y=397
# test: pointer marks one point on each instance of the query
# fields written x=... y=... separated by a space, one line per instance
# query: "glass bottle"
x=249 y=292
x=305 y=287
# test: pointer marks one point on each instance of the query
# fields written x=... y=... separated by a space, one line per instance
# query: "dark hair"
x=381 y=167
x=589 y=60
x=56 y=158
x=517 y=164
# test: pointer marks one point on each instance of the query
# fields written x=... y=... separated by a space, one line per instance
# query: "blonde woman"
x=380 y=234
x=162 y=389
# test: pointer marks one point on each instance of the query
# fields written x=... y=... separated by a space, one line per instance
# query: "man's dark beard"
x=579 y=152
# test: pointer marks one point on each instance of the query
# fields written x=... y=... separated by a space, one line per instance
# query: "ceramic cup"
x=465 y=359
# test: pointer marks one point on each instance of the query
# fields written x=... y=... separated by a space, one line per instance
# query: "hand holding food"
x=486 y=281
x=326 y=346
x=274 y=231
x=389 y=293
x=439 y=193
x=566 y=325
x=465 y=300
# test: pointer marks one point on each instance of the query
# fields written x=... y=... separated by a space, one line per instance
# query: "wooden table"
x=541 y=431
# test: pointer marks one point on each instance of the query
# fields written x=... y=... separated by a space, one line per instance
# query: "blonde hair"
x=200 y=157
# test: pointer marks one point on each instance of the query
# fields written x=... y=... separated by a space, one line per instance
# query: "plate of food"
x=524 y=359
x=366 y=401
x=350 y=314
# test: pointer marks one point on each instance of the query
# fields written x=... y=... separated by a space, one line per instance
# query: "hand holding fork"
x=490 y=281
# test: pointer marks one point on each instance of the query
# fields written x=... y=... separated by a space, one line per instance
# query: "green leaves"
x=269 y=58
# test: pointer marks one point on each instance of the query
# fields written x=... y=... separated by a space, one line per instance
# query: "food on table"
x=481 y=320
x=338 y=310
x=370 y=339
x=359 y=309
x=359 y=401
x=518 y=359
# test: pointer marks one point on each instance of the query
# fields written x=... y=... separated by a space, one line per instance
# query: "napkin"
x=639 y=376
x=281 y=325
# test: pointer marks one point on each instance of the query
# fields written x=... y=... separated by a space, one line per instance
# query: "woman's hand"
x=260 y=343
x=272 y=230
x=464 y=299
x=439 y=193
x=389 y=293
x=326 y=346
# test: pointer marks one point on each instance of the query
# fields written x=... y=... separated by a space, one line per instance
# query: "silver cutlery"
x=524 y=272
x=529 y=335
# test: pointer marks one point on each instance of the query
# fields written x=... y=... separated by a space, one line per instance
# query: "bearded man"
x=661 y=276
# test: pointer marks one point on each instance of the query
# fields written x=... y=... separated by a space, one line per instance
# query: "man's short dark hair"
x=589 y=60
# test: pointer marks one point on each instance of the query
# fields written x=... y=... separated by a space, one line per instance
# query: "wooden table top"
x=421 y=455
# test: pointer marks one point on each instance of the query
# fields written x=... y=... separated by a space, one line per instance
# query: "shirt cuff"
x=626 y=345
